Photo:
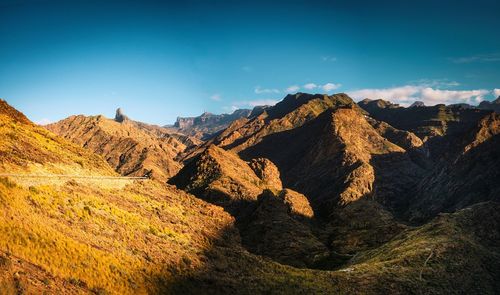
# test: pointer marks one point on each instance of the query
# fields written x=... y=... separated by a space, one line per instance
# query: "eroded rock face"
x=402 y=138
x=267 y=172
x=298 y=204
x=329 y=159
x=327 y=148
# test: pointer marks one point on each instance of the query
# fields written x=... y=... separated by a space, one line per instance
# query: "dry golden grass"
x=111 y=239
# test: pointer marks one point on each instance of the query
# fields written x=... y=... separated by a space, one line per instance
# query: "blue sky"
x=159 y=60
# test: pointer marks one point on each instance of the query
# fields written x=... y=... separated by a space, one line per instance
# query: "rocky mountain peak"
x=120 y=115
x=417 y=104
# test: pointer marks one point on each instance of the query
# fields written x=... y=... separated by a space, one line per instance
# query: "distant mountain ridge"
x=424 y=121
x=207 y=124
x=493 y=105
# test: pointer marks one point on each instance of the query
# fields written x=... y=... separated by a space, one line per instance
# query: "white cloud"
x=405 y=95
x=330 y=86
x=328 y=58
x=229 y=109
x=439 y=83
x=216 y=97
x=43 y=121
x=395 y=94
x=436 y=96
x=476 y=58
x=252 y=103
x=261 y=102
x=293 y=88
x=496 y=92
x=260 y=90
x=310 y=86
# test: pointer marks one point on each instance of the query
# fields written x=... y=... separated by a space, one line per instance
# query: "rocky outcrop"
x=271 y=223
x=267 y=172
x=120 y=116
x=402 y=138
x=417 y=104
x=298 y=204
x=220 y=177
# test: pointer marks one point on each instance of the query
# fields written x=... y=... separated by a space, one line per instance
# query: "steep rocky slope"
x=221 y=178
x=467 y=172
x=460 y=147
x=131 y=148
x=326 y=148
x=272 y=222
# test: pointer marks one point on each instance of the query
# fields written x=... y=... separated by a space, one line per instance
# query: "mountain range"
x=207 y=124
x=317 y=194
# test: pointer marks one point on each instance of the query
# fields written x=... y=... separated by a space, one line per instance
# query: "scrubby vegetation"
x=102 y=238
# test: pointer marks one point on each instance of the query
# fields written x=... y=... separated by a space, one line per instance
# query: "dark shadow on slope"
x=396 y=178
x=269 y=227
x=464 y=260
x=458 y=182
x=227 y=268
